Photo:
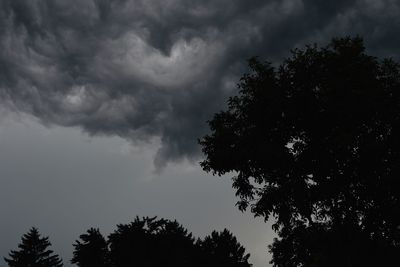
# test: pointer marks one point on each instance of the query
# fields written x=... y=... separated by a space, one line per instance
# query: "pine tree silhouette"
x=33 y=252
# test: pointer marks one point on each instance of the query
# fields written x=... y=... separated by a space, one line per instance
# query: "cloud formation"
x=150 y=70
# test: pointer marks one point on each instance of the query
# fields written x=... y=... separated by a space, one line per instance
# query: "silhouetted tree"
x=158 y=243
x=91 y=250
x=129 y=243
x=315 y=144
x=33 y=252
x=151 y=242
x=222 y=249
x=174 y=245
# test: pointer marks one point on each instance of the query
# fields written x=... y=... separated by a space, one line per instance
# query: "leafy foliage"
x=33 y=252
x=315 y=144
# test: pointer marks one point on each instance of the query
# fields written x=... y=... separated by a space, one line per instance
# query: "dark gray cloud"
x=150 y=70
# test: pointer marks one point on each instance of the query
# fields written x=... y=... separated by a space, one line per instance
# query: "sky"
x=102 y=103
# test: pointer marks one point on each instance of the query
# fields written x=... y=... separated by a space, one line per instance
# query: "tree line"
x=144 y=242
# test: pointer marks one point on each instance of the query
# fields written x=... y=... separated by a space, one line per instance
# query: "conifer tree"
x=33 y=252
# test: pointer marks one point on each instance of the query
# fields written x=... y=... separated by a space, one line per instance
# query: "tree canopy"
x=158 y=242
x=222 y=249
x=33 y=252
x=151 y=242
x=91 y=250
x=314 y=143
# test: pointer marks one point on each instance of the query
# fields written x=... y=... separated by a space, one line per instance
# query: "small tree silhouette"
x=152 y=242
x=92 y=250
x=222 y=249
x=33 y=252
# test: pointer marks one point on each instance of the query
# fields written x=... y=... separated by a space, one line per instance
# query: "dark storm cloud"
x=145 y=69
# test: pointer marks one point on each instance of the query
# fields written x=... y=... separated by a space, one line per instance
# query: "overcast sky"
x=102 y=102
